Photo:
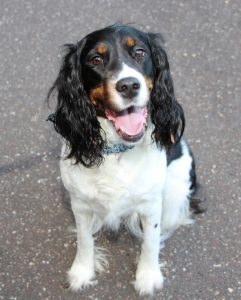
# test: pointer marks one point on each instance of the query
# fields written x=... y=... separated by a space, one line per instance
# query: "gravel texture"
x=36 y=247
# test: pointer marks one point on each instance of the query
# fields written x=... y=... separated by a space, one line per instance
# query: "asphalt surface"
x=203 y=40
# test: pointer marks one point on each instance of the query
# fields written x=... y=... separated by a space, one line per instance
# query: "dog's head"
x=121 y=76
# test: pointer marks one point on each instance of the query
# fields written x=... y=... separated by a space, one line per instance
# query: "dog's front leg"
x=148 y=274
x=82 y=272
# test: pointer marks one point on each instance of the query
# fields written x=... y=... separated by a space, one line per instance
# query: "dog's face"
x=121 y=74
x=117 y=73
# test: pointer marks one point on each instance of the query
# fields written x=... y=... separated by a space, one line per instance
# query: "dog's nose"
x=128 y=87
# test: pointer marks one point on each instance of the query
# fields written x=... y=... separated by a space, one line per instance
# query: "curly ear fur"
x=166 y=113
x=75 y=118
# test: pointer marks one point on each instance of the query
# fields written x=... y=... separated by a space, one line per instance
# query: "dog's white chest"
x=123 y=184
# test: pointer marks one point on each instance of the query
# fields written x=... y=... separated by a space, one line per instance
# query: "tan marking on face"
x=101 y=48
x=149 y=82
x=130 y=41
x=111 y=90
x=102 y=97
x=97 y=94
x=172 y=138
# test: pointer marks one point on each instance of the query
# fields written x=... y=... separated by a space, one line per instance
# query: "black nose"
x=128 y=87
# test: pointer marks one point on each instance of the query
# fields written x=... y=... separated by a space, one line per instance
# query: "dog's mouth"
x=130 y=123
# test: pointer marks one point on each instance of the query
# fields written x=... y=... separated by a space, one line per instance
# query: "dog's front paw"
x=148 y=279
x=80 y=277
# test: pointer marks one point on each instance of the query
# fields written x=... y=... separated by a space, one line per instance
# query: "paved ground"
x=203 y=41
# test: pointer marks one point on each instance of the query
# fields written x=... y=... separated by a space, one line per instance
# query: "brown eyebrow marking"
x=101 y=48
x=130 y=41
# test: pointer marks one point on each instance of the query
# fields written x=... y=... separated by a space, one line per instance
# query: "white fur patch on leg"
x=80 y=277
x=148 y=279
x=132 y=223
x=101 y=263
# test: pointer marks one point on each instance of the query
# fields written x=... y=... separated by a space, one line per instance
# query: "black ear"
x=166 y=113
x=75 y=118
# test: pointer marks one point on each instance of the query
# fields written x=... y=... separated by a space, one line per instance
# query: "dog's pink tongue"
x=130 y=123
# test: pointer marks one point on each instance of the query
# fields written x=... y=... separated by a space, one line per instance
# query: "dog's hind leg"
x=177 y=191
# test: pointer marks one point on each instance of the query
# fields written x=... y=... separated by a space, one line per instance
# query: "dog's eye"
x=139 y=53
x=97 y=60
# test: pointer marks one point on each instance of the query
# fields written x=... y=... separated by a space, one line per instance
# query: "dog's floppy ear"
x=75 y=118
x=166 y=113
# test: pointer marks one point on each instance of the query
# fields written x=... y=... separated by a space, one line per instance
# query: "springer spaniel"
x=124 y=158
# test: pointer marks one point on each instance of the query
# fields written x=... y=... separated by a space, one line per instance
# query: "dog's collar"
x=115 y=148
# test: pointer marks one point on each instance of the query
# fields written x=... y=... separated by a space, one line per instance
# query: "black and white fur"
x=149 y=184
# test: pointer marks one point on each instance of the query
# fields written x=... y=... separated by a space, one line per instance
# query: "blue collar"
x=115 y=148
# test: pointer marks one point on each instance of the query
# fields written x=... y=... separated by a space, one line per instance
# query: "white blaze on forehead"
x=143 y=96
x=127 y=71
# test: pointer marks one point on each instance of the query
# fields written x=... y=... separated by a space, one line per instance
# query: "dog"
x=124 y=159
